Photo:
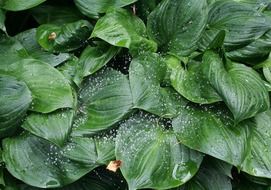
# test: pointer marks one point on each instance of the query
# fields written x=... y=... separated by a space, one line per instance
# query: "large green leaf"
x=11 y=51
x=104 y=99
x=15 y=99
x=152 y=157
x=93 y=8
x=242 y=23
x=123 y=29
x=91 y=151
x=94 y=58
x=18 y=5
x=147 y=73
x=28 y=41
x=63 y=38
x=50 y=90
x=190 y=82
x=239 y=86
x=177 y=25
x=39 y=163
x=54 y=127
x=48 y=14
x=210 y=130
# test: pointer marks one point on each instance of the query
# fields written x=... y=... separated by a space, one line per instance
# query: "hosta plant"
x=135 y=94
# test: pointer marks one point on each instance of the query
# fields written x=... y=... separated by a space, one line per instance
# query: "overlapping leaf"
x=176 y=25
x=239 y=86
x=64 y=38
x=18 y=5
x=152 y=157
x=123 y=29
x=49 y=89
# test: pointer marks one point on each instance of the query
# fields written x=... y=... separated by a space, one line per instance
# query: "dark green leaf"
x=239 y=86
x=50 y=90
x=39 y=163
x=18 y=5
x=64 y=38
x=177 y=25
x=123 y=29
x=104 y=99
x=54 y=127
x=91 y=151
x=93 y=8
x=210 y=130
x=15 y=99
x=190 y=82
x=152 y=157
x=48 y=14
x=94 y=58
x=242 y=23
x=27 y=39
x=147 y=73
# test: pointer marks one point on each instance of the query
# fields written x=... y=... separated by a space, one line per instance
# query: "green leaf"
x=210 y=130
x=152 y=156
x=54 y=127
x=242 y=23
x=93 y=9
x=39 y=163
x=144 y=8
x=2 y=20
x=11 y=51
x=18 y=5
x=177 y=25
x=64 y=38
x=94 y=58
x=190 y=82
x=123 y=29
x=28 y=41
x=48 y=14
x=147 y=73
x=50 y=90
x=254 y=52
x=15 y=99
x=208 y=178
x=239 y=86
x=104 y=99
x=91 y=151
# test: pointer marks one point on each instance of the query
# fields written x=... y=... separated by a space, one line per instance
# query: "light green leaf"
x=242 y=23
x=91 y=151
x=239 y=86
x=50 y=90
x=190 y=82
x=147 y=73
x=48 y=14
x=15 y=99
x=54 y=127
x=19 y=5
x=94 y=58
x=39 y=163
x=152 y=156
x=28 y=41
x=123 y=29
x=210 y=130
x=64 y=38
x=177 y=25
x=93 y=9
x=104 y=99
